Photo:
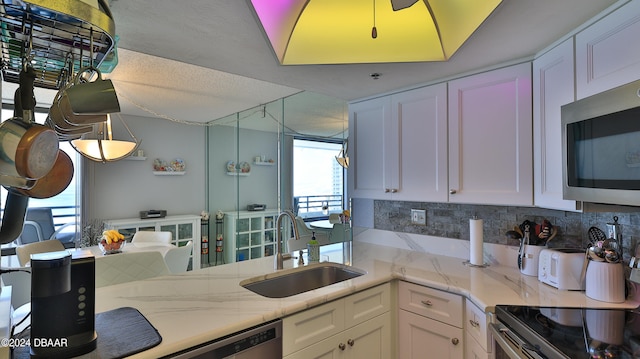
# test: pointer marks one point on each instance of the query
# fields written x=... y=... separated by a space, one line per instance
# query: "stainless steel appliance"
x=601 y=147
x=553 y=333
x=264 y=341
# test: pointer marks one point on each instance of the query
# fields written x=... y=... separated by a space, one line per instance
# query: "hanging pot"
x=54 y=182
x=27 y=150
x=82 y=101
x=15 y=210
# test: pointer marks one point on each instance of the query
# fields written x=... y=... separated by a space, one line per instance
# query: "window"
x=64 y=206
x=318 y=186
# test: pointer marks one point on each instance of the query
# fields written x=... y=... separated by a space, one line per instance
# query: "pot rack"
x=50 y=34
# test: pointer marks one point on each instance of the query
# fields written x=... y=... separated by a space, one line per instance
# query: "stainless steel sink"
x=286 y=283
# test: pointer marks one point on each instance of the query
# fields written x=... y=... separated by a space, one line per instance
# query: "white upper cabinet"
x=607 y=54
x=490 y=140
x=400 y=146
x=370 y=148
x=553 y=86
x=420 y=117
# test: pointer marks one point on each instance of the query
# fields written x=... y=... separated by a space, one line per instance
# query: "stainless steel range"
x=576 y=333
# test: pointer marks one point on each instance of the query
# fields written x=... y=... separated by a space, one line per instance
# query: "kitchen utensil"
x=518 y=230
x=54 y=182
x=513 y=235
x=595 y=235
x=88 y=98
x=15 y=210
x=523 y=242
x=28 y=150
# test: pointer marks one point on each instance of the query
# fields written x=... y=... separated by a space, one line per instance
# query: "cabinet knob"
x=455 y=341
x=474 y=323
x=427 y=303
x=386 y=190
x=341 y=346
x=452 y=191
x=394 y=190
x=351 y=342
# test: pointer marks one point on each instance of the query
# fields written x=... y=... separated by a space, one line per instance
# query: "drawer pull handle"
x=455 y=341
x=452 y=191
x=341 y=346
x=351 y=342
x=474 y=323
x=427 y=303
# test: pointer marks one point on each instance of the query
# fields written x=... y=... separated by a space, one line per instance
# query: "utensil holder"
x=530 y=259
x=605 y=282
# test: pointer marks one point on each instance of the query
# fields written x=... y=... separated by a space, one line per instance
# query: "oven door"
x=508 y=345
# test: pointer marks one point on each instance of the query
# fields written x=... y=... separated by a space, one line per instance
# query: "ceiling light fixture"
x=103 y=148
x=414 y=30
x=374 y=30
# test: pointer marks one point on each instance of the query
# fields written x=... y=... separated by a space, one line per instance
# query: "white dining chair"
x=177 y=258
x=129 y=266
x=152 y=236
x=25 y=251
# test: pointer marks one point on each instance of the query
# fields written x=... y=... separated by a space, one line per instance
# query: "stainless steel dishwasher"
x=264 y=341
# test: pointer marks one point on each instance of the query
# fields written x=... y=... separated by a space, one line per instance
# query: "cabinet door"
x=553 y=86
x=606 y=55
x=420 y=124
x=490 y=141
x=421 y=337
x=473 y=350
x=373 y=149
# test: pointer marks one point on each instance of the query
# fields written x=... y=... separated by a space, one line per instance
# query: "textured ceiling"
x=199 y=60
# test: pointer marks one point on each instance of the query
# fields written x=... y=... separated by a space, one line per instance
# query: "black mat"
x=121 y=332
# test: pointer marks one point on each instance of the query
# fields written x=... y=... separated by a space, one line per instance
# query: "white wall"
x=121 y=189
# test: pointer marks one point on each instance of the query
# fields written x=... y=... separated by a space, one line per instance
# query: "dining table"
x=321 y=224
x=130 y=247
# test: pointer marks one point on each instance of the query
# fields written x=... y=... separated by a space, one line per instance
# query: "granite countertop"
x=202 y=305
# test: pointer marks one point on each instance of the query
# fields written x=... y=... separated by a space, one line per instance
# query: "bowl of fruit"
x=112 y=242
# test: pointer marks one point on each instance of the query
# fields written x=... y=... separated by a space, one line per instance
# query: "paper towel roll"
x=476 y=239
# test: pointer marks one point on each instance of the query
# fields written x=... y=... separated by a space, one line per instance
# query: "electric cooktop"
x=575 y=332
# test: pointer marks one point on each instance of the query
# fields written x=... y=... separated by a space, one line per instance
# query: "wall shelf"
x=135 y=158
x=265 y=163
x=169 y=173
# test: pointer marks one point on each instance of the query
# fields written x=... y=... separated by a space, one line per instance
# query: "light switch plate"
x=419 y=217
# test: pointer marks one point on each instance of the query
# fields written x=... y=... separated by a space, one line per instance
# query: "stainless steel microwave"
x=601 y=147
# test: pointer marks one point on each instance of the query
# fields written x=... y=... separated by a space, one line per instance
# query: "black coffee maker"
x=62 y=304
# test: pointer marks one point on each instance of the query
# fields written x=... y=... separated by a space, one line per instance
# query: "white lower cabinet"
x=370 y=340
x=430 y=323
x=419 y=336
x=477 y=341
x=357 y=326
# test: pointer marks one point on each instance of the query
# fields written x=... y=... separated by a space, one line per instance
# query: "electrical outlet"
x=419 y=216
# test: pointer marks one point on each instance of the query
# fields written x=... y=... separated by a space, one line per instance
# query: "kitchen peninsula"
x=202 y=305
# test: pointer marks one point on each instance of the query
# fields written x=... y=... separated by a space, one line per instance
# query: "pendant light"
x=342 y=158
x=104 y=148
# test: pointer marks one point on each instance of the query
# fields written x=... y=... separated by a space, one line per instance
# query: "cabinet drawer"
x=370 y=340
x=311 y=326
x=431 y=303
x=476 y=324
x=367 y=304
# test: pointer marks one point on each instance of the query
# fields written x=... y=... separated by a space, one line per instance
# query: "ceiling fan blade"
x=402 y=4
